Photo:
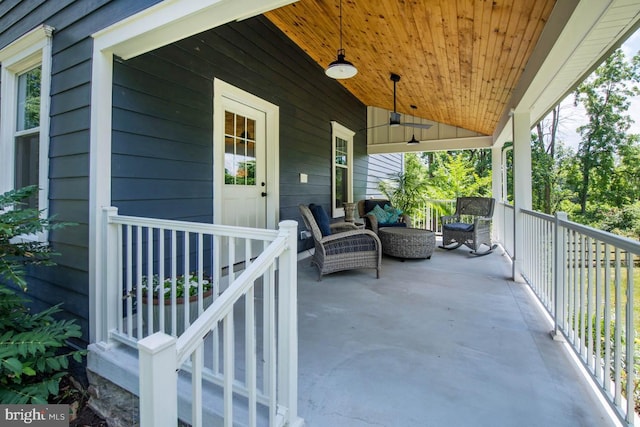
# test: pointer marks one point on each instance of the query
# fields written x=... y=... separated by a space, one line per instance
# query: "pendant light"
x=341 y=68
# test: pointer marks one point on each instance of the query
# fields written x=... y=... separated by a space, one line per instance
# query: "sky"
x=572 y=117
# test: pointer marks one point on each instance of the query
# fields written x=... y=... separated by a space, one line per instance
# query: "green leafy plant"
x=33 y=347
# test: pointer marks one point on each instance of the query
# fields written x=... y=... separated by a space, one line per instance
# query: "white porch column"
x=497 y=232
x=521 y=183
x=288 y=325
x=99 y=187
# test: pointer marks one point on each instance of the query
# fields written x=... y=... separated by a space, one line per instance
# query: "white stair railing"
x=585 y=279
x=234 y=345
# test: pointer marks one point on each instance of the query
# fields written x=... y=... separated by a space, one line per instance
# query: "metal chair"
x=343 y=250
x=470 y=225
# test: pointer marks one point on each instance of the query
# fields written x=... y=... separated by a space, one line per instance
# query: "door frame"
x=222 y=89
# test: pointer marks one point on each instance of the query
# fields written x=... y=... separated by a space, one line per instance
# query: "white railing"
x=585 y=279
x=507 y=219
x=225 y=346
x=430 y=212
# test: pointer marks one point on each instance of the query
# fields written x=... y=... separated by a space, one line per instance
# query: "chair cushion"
x=321 y=217
x=351 y=244
x=458 y=226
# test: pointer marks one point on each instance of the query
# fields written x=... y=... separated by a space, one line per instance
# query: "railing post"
x=559 y=265
x=110 y=294
x=157 y=358
x=288 y=324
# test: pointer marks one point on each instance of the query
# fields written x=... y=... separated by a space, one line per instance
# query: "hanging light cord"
x=341 y=26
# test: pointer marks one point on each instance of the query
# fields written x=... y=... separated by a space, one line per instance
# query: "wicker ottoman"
x=407 y=242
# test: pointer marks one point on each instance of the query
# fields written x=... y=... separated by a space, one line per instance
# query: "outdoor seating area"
x=436 y=347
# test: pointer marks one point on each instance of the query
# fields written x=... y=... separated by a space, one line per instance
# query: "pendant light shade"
x=341 y=68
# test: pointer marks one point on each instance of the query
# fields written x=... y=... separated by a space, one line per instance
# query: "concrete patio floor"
x=449 y=341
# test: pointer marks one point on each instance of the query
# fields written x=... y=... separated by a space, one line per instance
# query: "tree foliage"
x=605 y=97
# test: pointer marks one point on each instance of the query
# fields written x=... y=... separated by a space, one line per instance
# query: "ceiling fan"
x=394 y=116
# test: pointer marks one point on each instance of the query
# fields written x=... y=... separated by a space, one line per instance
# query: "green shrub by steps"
x=34 y=354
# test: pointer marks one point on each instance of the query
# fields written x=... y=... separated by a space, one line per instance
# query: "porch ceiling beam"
x=173 y=20
x=468 y=143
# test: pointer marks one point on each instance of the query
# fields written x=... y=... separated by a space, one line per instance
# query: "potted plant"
x=186 y=290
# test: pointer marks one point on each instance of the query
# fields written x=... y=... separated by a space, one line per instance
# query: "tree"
x=604 y=96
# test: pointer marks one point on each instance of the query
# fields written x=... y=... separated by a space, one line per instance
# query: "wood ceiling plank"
x=459 y=60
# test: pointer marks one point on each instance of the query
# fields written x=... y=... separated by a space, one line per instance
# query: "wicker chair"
x=470 y=225
x=371 y=222
x=347 y=248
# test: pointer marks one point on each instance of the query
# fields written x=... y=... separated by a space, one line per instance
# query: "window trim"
x=22 y=55
x=340 y=131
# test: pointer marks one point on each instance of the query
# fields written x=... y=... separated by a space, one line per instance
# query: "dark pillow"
x=370 y=204
x=322 y=219
x=458 y=226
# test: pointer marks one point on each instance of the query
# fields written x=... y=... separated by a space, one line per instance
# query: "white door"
x=246 y=182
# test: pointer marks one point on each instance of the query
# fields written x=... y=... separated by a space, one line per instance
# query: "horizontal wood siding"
x=163 y=121
x=162 y=125
x=381 y=166
x=73 y=22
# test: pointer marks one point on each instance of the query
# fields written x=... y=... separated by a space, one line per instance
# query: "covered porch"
x=448 y=341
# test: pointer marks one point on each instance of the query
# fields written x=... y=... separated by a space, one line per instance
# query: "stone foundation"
x=116 y=405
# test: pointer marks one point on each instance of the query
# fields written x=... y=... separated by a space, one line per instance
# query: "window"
x=239 y=150
x=24 y=114
x=342 y=167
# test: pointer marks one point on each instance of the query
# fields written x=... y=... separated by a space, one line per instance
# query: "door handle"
x=263 y=194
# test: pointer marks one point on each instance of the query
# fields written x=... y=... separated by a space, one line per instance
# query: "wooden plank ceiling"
x=459 y=61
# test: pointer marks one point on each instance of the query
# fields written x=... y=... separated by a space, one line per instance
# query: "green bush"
x=33 y=347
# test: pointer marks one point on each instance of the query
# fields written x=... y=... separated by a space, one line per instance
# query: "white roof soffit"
x=594 y=30
x=173 y=20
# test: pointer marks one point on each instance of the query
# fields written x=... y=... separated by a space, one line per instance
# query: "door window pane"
x=240 y=150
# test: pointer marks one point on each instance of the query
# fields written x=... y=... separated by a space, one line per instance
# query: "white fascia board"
x=469 y=143
x=587 y=37
x=173 y=20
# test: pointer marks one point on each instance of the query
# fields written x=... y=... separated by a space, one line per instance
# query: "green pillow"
x=379 y=213
x=393 y=214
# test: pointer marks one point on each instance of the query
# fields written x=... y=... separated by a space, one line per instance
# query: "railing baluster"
x=138 y=283
x=215 y=334
x=161 y=277
x=597 y=364
x=200 y=270
x=617 y=351
x=607 y=319
x=589 y=296
x=250 y=355
x=197 y=363
x=229 y=355
x=174 y=266
x=630 y=342
x=129 y=284
x=150 y=290
x=186 y=291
